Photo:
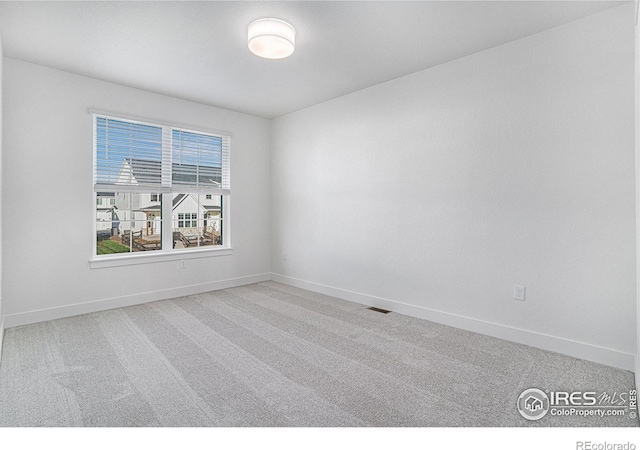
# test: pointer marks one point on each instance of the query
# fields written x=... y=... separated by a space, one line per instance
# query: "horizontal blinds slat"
x=192 y=190
x=163 y=190
x=123 y=188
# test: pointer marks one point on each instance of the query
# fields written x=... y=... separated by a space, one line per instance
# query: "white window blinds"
x=199 y=161
x=134 y=156
x=127 y=154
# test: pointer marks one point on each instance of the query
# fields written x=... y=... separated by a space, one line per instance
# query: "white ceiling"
x=198 y=51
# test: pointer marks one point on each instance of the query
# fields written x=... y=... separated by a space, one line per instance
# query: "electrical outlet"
x=284 y=256
x=518 y=293
x=183 y=263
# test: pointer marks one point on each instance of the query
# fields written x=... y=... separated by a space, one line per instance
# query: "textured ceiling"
x=198 y=50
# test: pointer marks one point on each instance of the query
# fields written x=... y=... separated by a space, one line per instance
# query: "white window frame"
x=167 y=253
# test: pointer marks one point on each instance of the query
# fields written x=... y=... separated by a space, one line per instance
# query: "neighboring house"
x=188 y=213
x=142 y=211
x=105 y=201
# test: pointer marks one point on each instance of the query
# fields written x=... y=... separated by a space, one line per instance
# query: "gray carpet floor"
x=268 y=354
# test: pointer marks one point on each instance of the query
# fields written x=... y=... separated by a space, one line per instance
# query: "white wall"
x=1 y=197
x=434 y=194
x=637 y=148
x=49 y=145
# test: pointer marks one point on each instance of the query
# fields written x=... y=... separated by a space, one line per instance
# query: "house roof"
x=148 y=172
x=151 y=208
x=180 y=197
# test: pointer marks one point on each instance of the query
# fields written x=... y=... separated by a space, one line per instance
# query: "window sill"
x=156 y=257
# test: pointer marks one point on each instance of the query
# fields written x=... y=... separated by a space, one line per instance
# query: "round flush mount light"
x=271 y=38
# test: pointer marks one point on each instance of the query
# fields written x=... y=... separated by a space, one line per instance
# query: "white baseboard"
x=59 y=312
x=556 y=344
x=569 y=347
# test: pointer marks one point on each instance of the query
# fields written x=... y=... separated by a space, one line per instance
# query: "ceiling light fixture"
x=271 y=38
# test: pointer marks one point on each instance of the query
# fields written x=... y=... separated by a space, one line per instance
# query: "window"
x=105 y=200
x=184 y=220
x=165 y=187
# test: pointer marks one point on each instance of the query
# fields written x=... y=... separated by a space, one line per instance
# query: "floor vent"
x=380 y=310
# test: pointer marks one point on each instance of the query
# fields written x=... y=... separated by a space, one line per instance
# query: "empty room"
x=318 y=214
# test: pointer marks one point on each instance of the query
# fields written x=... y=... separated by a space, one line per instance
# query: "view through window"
x=158 y=188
